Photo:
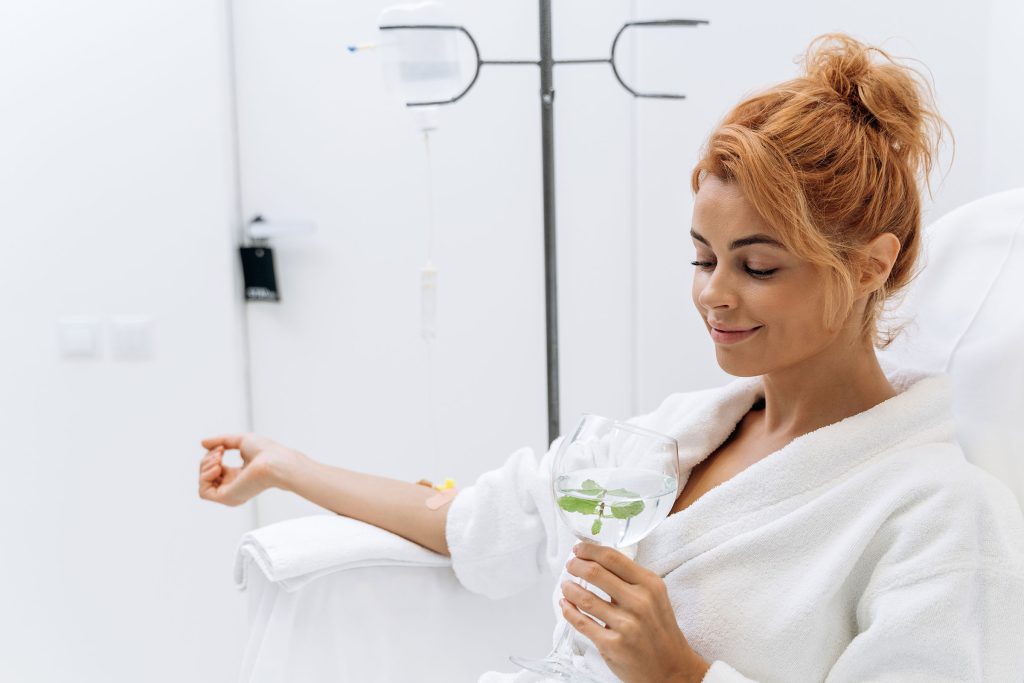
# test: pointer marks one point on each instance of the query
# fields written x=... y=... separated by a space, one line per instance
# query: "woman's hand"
x=641 y=640
x=263 y=463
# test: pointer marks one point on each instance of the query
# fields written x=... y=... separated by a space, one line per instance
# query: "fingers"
x=230 y=441
x=594 y=573
x=586 y=601
x=582 y=623
x=215 y=451
x=211 y=462
x=211 y=472
x=212 y=456
x=614 y=561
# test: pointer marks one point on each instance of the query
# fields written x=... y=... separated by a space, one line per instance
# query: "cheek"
x=796 y=315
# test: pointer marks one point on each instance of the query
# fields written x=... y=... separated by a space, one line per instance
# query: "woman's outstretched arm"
x=397 y=506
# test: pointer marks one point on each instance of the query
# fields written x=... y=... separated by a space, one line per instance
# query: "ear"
x=879 y=257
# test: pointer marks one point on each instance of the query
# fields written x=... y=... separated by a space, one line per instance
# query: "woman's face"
x=762 y=305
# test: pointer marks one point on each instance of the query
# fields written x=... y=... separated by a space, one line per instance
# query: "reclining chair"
x=334 y=599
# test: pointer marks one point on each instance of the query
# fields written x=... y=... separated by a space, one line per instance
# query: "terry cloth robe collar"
x=919 y=413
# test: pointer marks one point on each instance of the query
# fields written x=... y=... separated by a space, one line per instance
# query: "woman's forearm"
x=397 y=506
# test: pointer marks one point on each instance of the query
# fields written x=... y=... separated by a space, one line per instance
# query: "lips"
x=731 y=335
x=729 y=328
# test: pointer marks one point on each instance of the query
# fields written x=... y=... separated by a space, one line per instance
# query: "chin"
x=739 y=367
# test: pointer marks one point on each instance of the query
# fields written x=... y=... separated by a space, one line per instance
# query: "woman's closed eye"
x=708 y=266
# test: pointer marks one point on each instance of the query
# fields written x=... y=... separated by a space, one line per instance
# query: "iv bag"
x=424 y=65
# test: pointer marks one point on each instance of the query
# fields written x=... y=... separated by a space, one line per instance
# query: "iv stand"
x=547 y=100
x=547 y=134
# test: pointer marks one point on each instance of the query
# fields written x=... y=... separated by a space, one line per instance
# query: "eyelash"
x=759 y=274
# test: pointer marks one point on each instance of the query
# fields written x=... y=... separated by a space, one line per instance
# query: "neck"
x=842 y=380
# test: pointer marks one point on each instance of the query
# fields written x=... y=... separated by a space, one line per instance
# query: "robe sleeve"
x=503 y=532
x=720 y=672
x=958 y=624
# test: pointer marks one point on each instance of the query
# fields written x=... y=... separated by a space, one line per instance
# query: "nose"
x=716 y=291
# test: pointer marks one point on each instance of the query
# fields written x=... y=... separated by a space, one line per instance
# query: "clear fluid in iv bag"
x=424 y=65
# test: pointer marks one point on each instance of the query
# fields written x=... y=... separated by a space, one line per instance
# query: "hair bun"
x=882 y=94
x=838 y=62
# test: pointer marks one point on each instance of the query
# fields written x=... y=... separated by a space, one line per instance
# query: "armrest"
x=296 y=551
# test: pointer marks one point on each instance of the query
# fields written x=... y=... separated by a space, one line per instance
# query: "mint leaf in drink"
x=627 y=510
x=622 y=493
x=590 y=488
x=584 y=506
x=595 y=529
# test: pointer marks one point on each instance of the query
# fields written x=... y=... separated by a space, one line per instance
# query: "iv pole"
x=547 y=101
x=547 y=133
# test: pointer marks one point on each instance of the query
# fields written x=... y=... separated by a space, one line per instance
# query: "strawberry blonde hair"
x=833 y=159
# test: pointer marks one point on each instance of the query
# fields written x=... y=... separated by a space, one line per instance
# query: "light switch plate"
x=132 y=338
x=78 y=337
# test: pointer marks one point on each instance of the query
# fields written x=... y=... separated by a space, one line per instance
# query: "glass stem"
x=563 y=648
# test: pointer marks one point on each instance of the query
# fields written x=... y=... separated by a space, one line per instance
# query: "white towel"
x=294 y=552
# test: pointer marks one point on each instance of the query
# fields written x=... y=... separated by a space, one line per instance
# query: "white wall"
x=1004 y=100
x=116 y=198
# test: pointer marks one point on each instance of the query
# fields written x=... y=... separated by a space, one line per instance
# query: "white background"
x=118 y=196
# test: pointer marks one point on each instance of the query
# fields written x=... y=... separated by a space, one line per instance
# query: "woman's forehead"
x=722 y=212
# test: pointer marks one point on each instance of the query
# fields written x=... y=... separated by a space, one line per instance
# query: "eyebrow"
x=759 y=238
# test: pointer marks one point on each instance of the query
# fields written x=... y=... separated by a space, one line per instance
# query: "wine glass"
x=613 y=483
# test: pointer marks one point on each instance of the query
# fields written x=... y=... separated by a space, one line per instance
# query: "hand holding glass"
x=613 y=483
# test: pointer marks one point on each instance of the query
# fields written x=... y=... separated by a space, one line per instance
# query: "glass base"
x=556 y=668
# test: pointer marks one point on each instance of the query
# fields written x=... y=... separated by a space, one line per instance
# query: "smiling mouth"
x=732 y=336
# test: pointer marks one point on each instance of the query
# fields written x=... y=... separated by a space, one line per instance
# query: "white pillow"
x=966 y=317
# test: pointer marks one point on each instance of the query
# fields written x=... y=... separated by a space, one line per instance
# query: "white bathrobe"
x=867 y=550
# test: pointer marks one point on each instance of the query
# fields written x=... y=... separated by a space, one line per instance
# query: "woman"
x=828 y=526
